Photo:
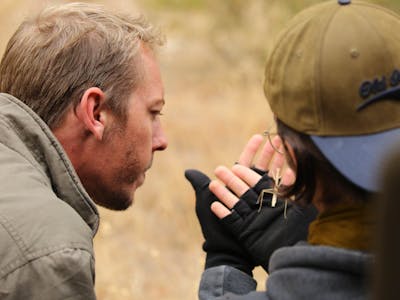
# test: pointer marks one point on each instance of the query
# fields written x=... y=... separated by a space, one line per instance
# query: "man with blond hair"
x=81 y=96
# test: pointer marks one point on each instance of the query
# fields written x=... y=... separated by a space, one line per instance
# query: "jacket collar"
x=32 y=135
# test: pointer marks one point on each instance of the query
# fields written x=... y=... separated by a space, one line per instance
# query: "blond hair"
x=54 y=57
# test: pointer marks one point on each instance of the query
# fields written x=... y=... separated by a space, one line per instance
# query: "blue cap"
x=359 y=158
x=344 y=2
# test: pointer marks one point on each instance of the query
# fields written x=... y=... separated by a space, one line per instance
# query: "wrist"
x=215 y=259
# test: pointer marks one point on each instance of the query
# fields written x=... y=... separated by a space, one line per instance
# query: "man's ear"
x=90 y=111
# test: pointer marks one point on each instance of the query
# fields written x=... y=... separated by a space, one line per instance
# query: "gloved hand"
x=220 y=246
x=262 y=231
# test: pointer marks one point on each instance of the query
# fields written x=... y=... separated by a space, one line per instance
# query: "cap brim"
x=359 y=158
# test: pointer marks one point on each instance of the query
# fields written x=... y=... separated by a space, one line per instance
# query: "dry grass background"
x=212 y=67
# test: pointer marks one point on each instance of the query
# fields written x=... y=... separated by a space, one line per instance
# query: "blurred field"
x=212 y=66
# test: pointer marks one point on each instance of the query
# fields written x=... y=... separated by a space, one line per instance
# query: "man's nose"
x=160 y=141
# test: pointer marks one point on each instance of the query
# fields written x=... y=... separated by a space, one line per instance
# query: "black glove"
x=221 y=247
x=262 y=231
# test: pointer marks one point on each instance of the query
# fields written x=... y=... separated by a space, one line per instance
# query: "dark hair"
x=312 y=168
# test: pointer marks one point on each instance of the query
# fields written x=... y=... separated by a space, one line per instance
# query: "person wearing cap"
x=332 y=81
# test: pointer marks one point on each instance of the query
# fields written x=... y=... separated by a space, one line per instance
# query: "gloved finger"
x=265 y=182
x=219 y=210
x=258 y=171
x=250 y=150
x=251 y=198
x=234 y=183
x=197 y=179
x=267 y=153
x=242 y=208
x=234 y=223
x=246 y=174
x=223 y=194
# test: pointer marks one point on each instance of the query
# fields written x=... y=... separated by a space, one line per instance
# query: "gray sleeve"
x=65 y=274
x=225 y=282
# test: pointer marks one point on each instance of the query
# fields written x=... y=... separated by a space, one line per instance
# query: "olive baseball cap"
x=334 y=74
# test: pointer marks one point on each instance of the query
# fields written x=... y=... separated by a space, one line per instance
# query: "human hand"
x=257 y=222
x=270 y=160
x=221 y=247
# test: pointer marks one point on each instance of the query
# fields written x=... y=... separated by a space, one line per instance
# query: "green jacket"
x=47 y=220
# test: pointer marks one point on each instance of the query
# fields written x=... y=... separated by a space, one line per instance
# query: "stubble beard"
x=118 y=195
